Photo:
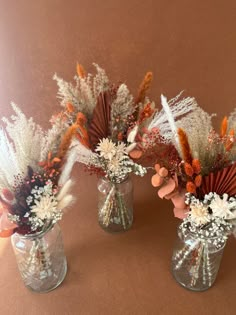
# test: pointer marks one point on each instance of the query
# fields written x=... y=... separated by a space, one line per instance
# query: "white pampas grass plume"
x=130 y=147
x=65 y=202
x=170 y=118
x=132 y=134
x=77 y=153
x=71 y=158
x=64 y=190
x=172 y=111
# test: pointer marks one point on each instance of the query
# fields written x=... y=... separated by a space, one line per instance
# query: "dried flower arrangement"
x=32 y=161
x=200 y=182
x=105 y=113
x=117 y=133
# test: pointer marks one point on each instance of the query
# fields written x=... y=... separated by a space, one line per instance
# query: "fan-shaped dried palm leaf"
x=223 y=181
x=100 y=125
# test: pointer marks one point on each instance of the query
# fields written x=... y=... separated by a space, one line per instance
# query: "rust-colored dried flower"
x=120 y=136
x=186 y=151
x=196 y=165
x=144 y=86
x=188 y=169
x=190 y=187
x=70 y=108
x=224 y=126
x=146 y=112
x=80 y=70
x=66 y=141
x=198 y=180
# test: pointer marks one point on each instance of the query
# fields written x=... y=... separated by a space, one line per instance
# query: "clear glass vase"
x=195 y=262
x=41 y=259
x=115 y=205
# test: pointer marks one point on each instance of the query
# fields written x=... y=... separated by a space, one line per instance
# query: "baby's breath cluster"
x=211 y=219
x=114 y=160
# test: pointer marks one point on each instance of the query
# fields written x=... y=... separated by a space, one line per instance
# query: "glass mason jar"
x=115 y=205
x=41 y=259
x=195 y=262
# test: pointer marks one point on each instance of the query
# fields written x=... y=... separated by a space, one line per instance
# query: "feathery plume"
x=143 y=88
x=66 y=141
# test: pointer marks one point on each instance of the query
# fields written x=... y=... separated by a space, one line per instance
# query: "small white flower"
x=120 y=149
x=199 y=213
x=221 y=207
x=114 y=165
x=45 y=207
x=106 y=149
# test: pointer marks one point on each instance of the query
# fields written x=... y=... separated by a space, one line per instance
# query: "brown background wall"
x=188 y=45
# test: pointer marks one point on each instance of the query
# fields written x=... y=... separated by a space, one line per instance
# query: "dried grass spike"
x=144 y=86
x=66 y=141
x=196 y=165
x=224 y=126
x=191 y=188
x=188 y=169
x=198 y=180
x=184 y=145
x=80 y=71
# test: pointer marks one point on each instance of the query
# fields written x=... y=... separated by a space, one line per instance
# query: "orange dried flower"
x=198 y=180
x=196 y=165
x=186 y=151
x=224 y=126
x=190 y=187
x=81 y=118
x=80 y=70
x=146 y=112
x=66 y=141
x=70 y=108
x=188 y=169
x=120 y=136
x=144 y=86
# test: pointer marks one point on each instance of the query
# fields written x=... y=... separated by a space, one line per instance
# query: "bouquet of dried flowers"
x=105 y=114
x=118 y=133
x=32 y=162
x=200 y=181
x=33 y=196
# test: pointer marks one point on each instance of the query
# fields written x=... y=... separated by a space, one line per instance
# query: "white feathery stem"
x=70 y=161
x=64 y=190
x=170 y=118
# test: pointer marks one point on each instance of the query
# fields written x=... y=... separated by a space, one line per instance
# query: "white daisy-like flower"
x=121 y=148
x=106 y=149
x=114 y=165
x=221 y=207
x=45 y=207
x=199 y=213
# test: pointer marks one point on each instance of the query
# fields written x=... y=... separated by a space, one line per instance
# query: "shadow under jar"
x=41 y=259
x=195 y=262
x=115 y=205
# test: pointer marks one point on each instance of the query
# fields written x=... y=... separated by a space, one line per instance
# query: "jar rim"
x=108 y=180
x=46 y=228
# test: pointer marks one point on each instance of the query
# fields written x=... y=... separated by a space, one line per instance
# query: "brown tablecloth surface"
x=188 y=45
